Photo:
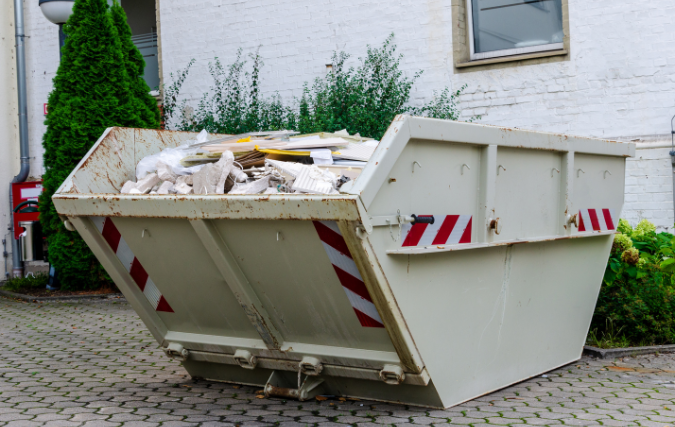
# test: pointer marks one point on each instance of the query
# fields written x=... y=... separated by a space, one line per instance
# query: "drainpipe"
x=17 y=264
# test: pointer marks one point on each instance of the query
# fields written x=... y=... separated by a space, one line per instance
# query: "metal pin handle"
x=426 y=219
x=500 y=167
x=580 y=170
x=554 y=170
x=464 y=166
x=604 y=175
x=416 y=163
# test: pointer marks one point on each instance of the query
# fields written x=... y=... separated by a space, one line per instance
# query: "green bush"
x=363 y=99
x=16 y=284
x=92 y=91
x=636 y=305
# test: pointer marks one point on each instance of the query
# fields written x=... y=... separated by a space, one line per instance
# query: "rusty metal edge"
x=383 y=298
x=614 y=353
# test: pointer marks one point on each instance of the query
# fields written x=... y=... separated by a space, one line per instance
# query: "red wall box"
x=21 y=192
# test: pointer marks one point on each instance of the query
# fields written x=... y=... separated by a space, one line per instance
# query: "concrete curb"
x=59 y=298
x=613 y=353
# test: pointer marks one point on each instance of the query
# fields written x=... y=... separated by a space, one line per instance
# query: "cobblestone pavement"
x=94 y=364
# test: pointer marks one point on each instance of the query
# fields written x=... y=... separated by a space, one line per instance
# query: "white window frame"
x=503 y=52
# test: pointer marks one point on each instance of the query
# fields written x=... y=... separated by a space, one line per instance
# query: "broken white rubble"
x=182 y=188
x=127 y=187
x=165 y=173
x=145 y=185
x=165 y=188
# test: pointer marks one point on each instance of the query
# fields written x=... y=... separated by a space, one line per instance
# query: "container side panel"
x=310 y=288
x=175 y=260
x=598 y=192
x=107 y=166
x=486 y=318
x=443 y=182
x=527 y=196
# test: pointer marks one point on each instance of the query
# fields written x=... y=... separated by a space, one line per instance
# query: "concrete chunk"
x=146 y=184
x=165 y=188
x=185 y=179
x=165 y=173
x=127 y=187
x=182 y=188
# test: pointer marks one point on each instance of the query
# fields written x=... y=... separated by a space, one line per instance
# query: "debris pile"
x=254 y=163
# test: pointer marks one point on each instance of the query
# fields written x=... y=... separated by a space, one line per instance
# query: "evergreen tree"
x=144 y=103
x=91 y=93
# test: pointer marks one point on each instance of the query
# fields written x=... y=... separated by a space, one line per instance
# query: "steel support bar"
x=236 y=279
x=94 y=239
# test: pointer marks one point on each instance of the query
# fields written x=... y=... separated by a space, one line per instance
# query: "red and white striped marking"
x=348 y=273
x=446 y=230
x=131 y=263
x=598 y=219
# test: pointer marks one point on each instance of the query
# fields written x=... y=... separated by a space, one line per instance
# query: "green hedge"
x=636 y=305
x=362 y=99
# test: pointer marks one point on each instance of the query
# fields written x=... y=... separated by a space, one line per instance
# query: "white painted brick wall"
x=42 y=61
x=619 y=81
x=649 y=188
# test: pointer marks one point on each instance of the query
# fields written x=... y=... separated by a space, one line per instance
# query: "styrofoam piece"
x=313 y=180
x=289 y=168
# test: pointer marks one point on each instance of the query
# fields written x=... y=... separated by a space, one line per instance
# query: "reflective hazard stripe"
x=598 y=219
x=117 y=243
x=348 y=274
x=446 y=230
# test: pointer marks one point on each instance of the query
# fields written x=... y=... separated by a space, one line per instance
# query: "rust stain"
x=287 y=393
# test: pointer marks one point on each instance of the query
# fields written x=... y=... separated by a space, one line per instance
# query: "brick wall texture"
x=619 y=80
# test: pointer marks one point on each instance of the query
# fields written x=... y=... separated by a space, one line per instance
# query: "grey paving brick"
x=109 y=373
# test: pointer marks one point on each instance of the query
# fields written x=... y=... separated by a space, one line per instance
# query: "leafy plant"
x=610 y=337
x=16 y=284
x=637 y=298
x=362 y=99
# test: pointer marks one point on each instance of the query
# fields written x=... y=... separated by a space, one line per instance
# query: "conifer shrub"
x=92 y=91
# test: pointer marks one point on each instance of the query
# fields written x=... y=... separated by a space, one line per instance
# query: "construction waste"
x=278 y=162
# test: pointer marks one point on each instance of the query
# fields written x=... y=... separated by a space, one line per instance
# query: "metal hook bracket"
x=604 y=175
x=554 y=170
x=464 y=166
x=580 y=170
x=416 y=163
x=500 y=167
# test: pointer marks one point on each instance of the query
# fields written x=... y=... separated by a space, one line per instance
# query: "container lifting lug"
x=573 y=219
x=245 y=359
x=392 y=374
x=311 y=366
x=494 y=225
x=176 y=351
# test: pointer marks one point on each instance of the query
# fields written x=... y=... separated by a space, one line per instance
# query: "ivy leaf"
x=632 y=271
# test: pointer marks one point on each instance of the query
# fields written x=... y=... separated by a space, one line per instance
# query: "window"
x=499 y=28
x=142 y=18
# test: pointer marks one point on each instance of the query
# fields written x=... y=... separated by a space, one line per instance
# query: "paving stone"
x=110 y=372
